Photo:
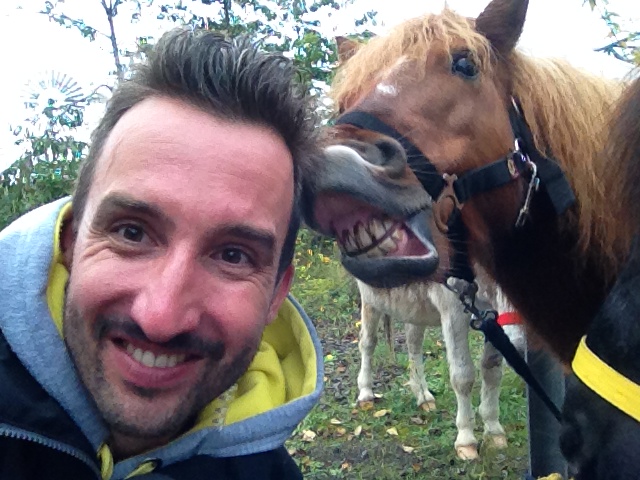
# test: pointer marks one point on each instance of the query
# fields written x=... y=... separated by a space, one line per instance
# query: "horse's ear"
x=346 y=48
x=502 y=22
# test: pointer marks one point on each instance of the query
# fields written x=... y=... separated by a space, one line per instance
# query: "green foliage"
x=625 y=41
x=322 y=287
x=48 y=167
x=292 y=27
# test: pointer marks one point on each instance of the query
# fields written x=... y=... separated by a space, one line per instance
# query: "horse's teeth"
x=387 y=245
x=349 y=243
x=398 y=235
x=363 y=238
x=376 y=229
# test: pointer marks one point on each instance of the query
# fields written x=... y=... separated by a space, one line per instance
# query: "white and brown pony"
x=430 y=305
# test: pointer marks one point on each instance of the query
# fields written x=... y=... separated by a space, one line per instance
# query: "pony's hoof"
x=365 y=405
x=467 y=452
x=497 y=441
x=428 y=406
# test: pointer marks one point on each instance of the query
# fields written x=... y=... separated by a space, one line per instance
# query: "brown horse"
x=449 y=96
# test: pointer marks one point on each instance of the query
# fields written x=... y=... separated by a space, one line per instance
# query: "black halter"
x=525 y=159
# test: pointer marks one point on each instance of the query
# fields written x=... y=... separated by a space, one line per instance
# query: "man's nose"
x=167 y=303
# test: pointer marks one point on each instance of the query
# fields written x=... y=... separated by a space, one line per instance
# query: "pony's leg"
x=455 y=331
x=369 y=320
x=491 y=372
x=417 y=381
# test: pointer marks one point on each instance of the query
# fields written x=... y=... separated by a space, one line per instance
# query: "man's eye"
x=132 y=233
x=234 y=255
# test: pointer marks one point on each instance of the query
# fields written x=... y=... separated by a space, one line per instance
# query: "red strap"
x=509 y=318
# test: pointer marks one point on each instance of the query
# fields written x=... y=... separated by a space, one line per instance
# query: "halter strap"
x=484 y=178
x=605 y=381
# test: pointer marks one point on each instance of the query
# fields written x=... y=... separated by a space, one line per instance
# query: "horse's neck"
x=556 y=292
x=615 y=332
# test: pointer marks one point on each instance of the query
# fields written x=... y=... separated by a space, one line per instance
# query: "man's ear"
x=67 y=240
x=281 y=291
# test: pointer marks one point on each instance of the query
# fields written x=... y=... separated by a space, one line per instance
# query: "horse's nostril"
x=391 y=157
x=389 y=149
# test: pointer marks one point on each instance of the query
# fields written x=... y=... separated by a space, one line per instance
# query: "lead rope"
x=486 y=321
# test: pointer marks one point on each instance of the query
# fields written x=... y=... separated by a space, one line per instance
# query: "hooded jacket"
x=50 y=427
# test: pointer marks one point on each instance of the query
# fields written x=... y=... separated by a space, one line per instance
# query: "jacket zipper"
x=18 y=433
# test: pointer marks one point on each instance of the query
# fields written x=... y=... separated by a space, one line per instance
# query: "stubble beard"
x=86 y=343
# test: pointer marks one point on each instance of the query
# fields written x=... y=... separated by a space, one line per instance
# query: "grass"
x=394 y=440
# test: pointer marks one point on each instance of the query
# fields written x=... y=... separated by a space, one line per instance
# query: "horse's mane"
x=567 y=109
x=619 y=175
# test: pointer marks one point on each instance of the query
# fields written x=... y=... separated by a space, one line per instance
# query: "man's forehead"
x=163 y=120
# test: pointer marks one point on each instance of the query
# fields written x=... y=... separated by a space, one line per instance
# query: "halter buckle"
x=446 y=203
x=534 y=185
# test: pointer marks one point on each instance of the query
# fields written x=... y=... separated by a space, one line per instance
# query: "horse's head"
x=432 y=98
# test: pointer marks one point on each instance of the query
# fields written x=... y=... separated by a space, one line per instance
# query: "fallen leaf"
x=366 y=406
x=416 y=467
x=417 y=421
x=292 y=451
x=358 y=431
x=335 y=421
x=392 y=431
x=308 y=435
x=408 y=449
x=340 y=431
x=380 y=413
x=345 y=466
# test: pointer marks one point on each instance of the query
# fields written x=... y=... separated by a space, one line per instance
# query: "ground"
x=393 y=439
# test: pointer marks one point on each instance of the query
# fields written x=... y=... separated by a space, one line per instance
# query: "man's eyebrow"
x=264 y=238
x=117 y=202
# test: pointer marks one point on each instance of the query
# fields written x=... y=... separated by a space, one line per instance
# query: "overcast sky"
x=31 y=45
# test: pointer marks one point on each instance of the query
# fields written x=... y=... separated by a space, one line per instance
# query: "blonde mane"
x=567 y=109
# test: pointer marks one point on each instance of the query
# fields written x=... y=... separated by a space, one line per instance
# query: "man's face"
x=173 y=269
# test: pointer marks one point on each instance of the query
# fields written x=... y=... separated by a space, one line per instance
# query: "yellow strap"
x=614 y=387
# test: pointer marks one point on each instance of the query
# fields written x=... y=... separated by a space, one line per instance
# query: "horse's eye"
x=465 y=67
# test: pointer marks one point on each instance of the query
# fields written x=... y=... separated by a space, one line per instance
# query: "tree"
x=293 y=27
x=625 y=40
x=48 y=166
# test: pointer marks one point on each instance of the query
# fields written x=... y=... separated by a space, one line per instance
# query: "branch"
x=61 y=18
x=110 y=11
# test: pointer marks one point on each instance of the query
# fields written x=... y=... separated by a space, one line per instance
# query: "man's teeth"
x=373 y=238
x=149 y=359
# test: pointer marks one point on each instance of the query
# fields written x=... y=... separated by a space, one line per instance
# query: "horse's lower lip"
x=389 y=272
